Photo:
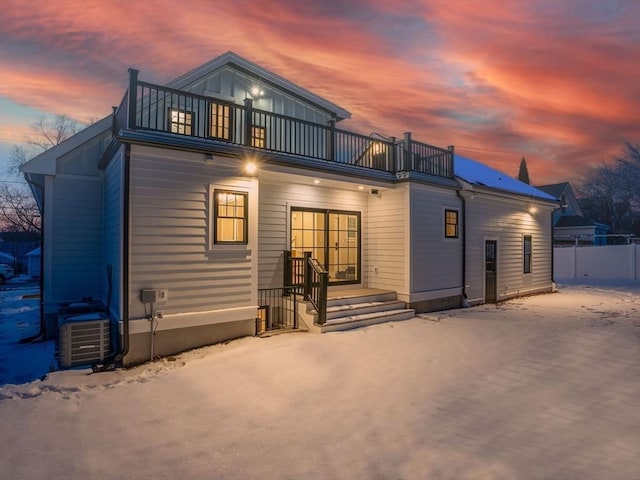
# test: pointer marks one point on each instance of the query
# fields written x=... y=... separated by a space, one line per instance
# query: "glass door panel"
x=333 y=238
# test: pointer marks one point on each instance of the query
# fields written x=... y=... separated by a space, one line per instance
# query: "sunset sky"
x=555 y=81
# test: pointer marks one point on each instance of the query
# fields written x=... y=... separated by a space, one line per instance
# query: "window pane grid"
x=451 y=223
x=231 y=217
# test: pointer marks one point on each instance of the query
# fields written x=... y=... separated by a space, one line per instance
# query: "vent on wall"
x=84 y=339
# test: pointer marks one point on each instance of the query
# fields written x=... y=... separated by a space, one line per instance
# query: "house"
x=569 y=225
x=196 y=209
x=33 y=262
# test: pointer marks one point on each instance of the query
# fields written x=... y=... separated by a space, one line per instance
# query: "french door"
x=332 y=237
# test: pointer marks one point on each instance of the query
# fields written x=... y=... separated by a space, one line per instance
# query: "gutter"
x=41 y=333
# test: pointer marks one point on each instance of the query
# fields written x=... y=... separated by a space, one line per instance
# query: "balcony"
x=156 y=108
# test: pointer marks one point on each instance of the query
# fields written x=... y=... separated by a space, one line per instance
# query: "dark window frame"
x=455 y=225
x=527 y=253
x=221 y=121
x=175 y=125
x=244 y=218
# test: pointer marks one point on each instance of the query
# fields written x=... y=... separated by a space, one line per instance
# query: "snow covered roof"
x=477 y=173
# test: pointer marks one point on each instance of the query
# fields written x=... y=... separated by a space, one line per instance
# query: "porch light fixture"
x=316 y=181
x=250 y=168
x=360 y=187
x=257 y=92
x=208 y=158
x=533 y=209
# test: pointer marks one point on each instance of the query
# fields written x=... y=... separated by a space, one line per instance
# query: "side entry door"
x=490 y=271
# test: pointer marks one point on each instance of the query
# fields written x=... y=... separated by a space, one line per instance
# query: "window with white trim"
x=230 y=217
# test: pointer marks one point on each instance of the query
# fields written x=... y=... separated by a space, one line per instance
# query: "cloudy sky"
x=557 y=82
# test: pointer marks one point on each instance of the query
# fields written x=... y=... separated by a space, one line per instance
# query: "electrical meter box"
x=154 y=295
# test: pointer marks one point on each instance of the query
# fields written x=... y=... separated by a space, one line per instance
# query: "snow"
x=477 y=173
x=535 y=388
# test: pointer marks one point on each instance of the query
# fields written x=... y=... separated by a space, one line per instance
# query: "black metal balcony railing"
x=158 y=108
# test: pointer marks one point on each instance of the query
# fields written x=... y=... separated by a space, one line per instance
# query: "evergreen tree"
x=523 y=173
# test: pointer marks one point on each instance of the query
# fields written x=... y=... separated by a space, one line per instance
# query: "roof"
x=45 y=163
x=232 y=58
x=554 y=189
x=479 y=174
x=573 y=221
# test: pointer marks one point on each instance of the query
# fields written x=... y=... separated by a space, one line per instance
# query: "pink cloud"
x=505 y=79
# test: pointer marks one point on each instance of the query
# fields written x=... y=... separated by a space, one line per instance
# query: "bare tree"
x=610 y=193
x=18 y=210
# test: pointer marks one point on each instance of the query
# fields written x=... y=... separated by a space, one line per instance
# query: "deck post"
x=332 y=140
x=133 y=97
x=408 y=152
x=308 y=276
x=248 y=121
x=394 y=156
x=322 y=298
x=450 y=171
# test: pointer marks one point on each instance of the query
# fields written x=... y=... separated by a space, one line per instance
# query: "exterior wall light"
x=533 y=209
x=250 y=168
x=256 y=92
x=316 y=181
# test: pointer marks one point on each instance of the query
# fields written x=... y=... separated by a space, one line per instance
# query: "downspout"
x=465 y=302
x=553 y=281
x=125 y=256
x=41 y=333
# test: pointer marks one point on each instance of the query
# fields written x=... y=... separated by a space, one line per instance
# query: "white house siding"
x=435 y=261
x=506 y=219
x=76 y=240
x=113 y=212
x=170 y=246
x=387 y=240
x=278 y=193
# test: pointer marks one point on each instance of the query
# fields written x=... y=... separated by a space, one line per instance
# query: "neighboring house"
x=569 y=225
x=193 y=197
x=33 y=262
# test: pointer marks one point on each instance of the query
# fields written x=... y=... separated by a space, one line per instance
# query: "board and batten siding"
x=170 y=244
x=113 y=225
x=232 y=85
x=387 y=240
x=76 y=248
x=507 y=221
x=436 y=261
x=278 y=193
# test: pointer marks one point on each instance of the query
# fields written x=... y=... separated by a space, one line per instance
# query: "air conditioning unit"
x=83 y=339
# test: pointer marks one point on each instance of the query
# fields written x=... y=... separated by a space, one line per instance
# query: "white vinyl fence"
x=615 y=262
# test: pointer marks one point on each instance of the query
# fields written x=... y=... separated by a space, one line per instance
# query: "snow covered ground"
x=545 y=387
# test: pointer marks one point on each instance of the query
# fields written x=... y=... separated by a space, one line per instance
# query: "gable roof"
x=573 y=221
x=477 y=173
x=232 y=58
x=555 y=189
x=45 y=162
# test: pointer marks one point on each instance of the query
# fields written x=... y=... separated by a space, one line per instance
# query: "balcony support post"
x=248 y=121
x=408 y=153
x=332 y=140
x=133 y=97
